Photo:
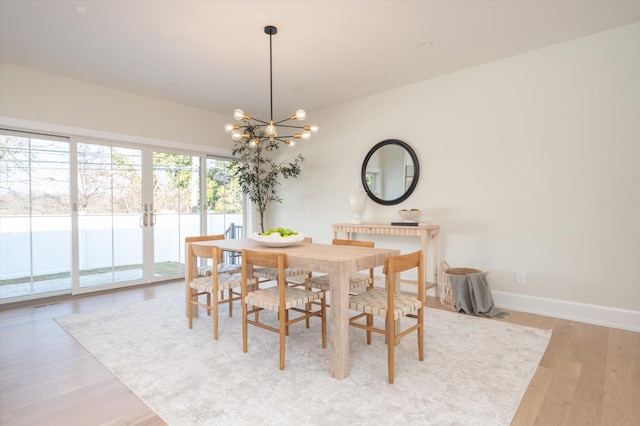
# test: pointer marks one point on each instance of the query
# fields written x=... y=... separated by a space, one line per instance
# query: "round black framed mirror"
x=390 y=172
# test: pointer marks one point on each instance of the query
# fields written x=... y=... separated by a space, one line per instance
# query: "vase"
x=358 y=201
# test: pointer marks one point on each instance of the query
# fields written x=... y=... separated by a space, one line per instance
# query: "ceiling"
x=214 y=54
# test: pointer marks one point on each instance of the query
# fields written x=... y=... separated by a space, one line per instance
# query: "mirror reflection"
x=390 y=172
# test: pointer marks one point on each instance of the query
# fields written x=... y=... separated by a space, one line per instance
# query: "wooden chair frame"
x=276 y=260
x=214 y=237
x=213 y=301
x=393 y=266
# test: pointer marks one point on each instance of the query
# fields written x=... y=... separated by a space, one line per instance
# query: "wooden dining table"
x=335 y=260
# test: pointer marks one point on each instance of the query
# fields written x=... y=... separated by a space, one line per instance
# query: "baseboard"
x=625 y=319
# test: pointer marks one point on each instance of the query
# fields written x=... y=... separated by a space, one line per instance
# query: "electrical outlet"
x=520 y=278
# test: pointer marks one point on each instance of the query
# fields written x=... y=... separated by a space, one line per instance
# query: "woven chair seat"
x=356 y=281
x=223 y=268
x=269 y=298
x=225 y=282
x=374 y=302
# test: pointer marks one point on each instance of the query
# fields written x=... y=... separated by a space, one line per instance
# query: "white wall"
x=35 y=96
x=527 y=164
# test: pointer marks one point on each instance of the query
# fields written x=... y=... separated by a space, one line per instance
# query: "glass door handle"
x=143 y=219
x=152 y=215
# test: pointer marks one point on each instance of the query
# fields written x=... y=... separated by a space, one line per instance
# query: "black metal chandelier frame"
x=262 y=130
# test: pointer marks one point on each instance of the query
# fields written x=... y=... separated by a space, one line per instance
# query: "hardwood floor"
x=589 y=375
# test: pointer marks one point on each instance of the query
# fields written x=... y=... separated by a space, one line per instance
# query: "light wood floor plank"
x=586 y=408
x=534 y=397
x=622 y=381
x=555 y=408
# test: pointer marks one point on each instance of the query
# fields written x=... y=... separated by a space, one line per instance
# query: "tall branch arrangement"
x=258 y=174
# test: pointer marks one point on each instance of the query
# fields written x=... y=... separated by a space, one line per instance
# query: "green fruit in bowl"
x=282 y=231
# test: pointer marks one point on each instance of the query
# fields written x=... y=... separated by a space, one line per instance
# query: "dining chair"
x=228 y=268
x=265 y=274
x=223 y=268
x=281 y=298
x=211 y=285
x=357 y=281
x=390 y=304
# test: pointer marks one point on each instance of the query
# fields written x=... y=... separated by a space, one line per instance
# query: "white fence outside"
x=46 y=241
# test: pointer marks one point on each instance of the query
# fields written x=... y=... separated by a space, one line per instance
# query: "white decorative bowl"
x=277 y=240
x=410 y=215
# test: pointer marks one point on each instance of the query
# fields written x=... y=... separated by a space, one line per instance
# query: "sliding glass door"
x=176 y=209
x=35 y=215
x=110 y=215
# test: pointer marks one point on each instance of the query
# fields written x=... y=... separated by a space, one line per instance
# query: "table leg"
x=339 y=325
x=187 y=289
x=187 y=294
x=434 y=242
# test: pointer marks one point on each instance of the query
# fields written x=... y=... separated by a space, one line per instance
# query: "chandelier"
x=262 y=131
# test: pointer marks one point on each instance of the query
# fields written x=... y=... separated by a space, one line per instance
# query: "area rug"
x=475 y=371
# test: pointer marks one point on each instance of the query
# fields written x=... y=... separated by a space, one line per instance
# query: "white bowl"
x=277 y=240
x=410 y=215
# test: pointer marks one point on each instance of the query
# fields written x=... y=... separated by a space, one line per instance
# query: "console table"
x=423 y=231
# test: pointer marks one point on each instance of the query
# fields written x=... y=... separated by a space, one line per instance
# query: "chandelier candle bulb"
x=238 y=114
x=230 y=127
